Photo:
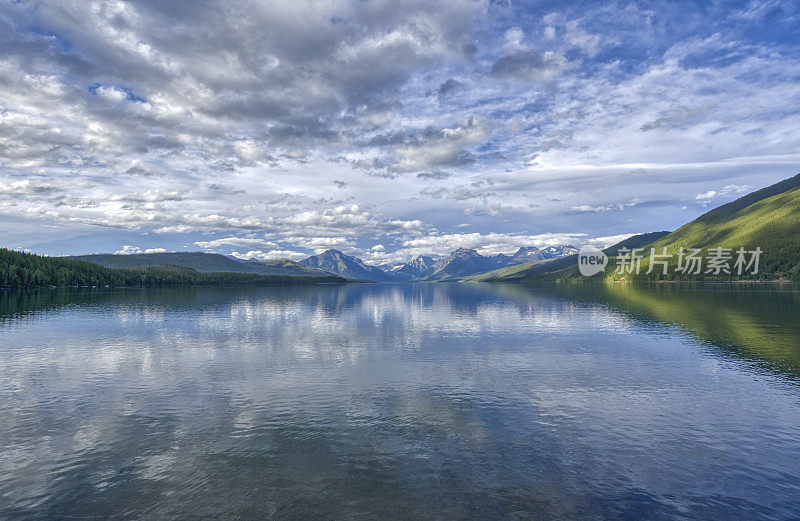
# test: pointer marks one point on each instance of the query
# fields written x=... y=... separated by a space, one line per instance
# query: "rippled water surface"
x=429 y=401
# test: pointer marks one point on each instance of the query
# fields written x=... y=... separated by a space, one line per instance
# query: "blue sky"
x=384 y=129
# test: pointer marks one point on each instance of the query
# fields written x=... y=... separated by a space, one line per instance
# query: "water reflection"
x=426 y=401
x=748 y=321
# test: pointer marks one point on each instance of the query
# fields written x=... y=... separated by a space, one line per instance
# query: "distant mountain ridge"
x=290 y=267
x=464 y=262
x=467 y=262
x=334 y=261
x=200 y=262
x=460 y=263
x=416 y=269
x=528 y=254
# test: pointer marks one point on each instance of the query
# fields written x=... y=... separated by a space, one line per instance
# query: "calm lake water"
x=419 y=401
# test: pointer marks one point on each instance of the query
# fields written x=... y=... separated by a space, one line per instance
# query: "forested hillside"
x=23 y=271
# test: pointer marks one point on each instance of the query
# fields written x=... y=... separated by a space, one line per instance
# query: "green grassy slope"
x=518 y=271
x=24 y=271
x=768 y=219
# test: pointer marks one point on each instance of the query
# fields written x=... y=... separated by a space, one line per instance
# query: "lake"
x=401 y=401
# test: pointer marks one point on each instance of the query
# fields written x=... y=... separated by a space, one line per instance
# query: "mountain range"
x=462 y=262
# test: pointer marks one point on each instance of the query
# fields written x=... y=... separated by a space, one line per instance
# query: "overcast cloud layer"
x=385 y=129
